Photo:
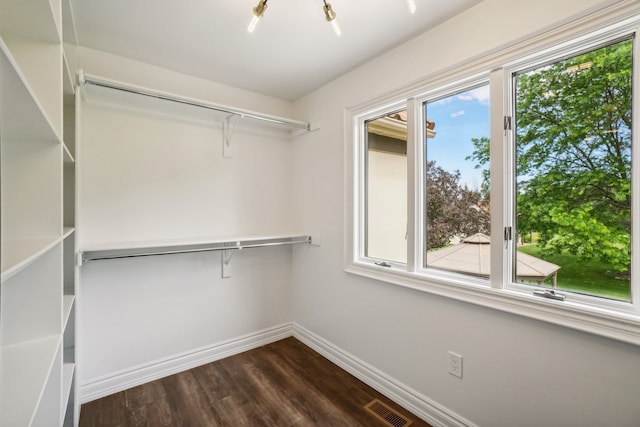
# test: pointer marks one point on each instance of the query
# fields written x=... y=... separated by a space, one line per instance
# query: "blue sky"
x=459 y=118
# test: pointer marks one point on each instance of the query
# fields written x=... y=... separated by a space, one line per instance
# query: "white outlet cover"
x=455 y=364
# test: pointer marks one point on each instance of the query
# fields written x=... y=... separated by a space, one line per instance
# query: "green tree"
x=573 y=154
x=452 y=209
x=482 y=156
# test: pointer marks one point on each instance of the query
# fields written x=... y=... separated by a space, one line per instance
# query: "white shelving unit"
x=70 y=409
x=37 y=283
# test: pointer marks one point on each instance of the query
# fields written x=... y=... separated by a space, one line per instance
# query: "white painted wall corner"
x=430 y=411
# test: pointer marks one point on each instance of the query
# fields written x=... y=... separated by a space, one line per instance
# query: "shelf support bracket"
x=229 y=126
x=225 y=261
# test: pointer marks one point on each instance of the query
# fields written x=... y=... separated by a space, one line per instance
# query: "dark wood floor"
x=280 y=384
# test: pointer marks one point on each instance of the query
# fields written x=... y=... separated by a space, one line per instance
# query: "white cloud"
x=480 y=94
x=457 y=114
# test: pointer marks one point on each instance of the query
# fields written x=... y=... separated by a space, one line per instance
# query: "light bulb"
x=252 y=25
x=258 y=11
x=336 y=27
x=412 y=6
x=330 y=16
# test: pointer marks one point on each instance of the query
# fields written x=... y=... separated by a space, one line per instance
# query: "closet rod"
x=111 y=84
x=96 y=255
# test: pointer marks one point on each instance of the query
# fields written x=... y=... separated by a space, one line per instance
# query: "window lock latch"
x=507 y=234
x=547 y=293
x=383 y=264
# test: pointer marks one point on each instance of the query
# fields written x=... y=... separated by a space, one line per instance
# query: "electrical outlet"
x=455 y=364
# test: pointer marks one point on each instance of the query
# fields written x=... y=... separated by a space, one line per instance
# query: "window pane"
x=573 y=173
x=457 y=214
x=386 y=192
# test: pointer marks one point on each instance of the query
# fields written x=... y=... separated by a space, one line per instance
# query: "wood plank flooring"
x=281 y=384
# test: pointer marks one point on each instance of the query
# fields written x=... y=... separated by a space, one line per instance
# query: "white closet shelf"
x=22 y=116
x=67 y=231
x=176 y=247
x=85 y=80
x=68 y=158
x=24 y=369
x=67 y=305
x=18 y=253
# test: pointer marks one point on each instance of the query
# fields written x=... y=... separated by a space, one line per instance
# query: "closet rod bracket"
x=225 y=260
x=229 y=126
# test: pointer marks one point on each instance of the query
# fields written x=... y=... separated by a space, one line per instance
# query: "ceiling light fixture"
x=258 y=11
x=412 y=6
x=330 y=15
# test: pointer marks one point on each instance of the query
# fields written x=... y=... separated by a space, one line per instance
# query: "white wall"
x=517 y=371
x=143 y=312
x=145 y=75
x=387 y=206
x=144 y=175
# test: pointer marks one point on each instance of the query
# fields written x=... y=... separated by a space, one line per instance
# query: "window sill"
x=599 y=321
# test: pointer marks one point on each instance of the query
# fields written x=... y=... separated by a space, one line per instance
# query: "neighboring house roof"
x=395 y=126
x=473 y=256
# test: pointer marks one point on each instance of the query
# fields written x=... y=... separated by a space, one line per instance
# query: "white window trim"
x=582 y=44
x=458 y=87
x=498 y=293
x=361 y=179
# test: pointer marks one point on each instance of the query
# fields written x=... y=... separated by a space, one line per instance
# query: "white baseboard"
x=96 y=388
x=425 y=408
x=413 y=401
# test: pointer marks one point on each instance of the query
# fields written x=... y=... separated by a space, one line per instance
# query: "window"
x=573 y=172
x=513 y=184
x=386 y=187
x=457 y=212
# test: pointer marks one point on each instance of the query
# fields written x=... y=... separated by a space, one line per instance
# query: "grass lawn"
x=588 y=277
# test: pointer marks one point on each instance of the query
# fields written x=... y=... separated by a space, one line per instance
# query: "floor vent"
x=386 y=414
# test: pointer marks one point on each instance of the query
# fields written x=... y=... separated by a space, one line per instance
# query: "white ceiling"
x=292 y=51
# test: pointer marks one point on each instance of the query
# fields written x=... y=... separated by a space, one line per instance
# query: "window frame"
x=436 y=94
x=613 y=319
x=365 y=202
x=577 y=47
x=361 y=187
